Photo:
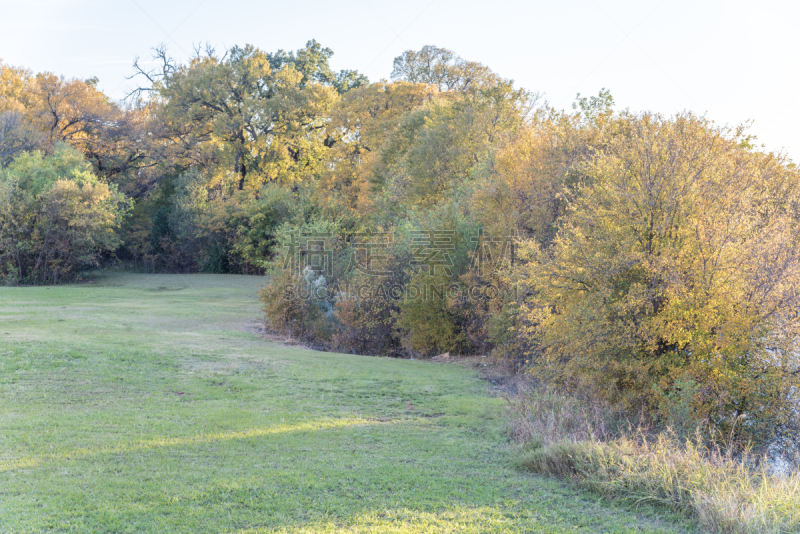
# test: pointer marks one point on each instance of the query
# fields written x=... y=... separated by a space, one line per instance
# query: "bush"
x=367 y=303
x=56 y=217
x=302 y=281
x=297 y=305
x=255 y=241
x=366 y=313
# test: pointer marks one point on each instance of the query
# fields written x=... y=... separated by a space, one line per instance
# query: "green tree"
x=439 y=146
x=442 y=68
x=312 y=62
x=56 y=217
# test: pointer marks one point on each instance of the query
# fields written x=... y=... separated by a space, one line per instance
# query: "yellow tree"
x=16 y=133
x=535 y=169
x=676 y=263
x=69 y=110
x=361 y=124
x=14 y=88
x=37 y=112
x=268 y=124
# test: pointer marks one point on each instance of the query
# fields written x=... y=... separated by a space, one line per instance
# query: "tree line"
x=634 y=255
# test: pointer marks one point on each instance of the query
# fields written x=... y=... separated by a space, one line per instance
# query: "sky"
x=733 y=61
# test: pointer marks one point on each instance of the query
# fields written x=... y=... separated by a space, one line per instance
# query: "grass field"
x=149 y=403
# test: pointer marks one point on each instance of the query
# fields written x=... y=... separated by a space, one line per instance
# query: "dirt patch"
x=168 y=288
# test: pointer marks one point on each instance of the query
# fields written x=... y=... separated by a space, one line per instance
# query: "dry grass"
x=596 y=447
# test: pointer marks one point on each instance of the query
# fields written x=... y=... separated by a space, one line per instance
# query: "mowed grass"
x=149 y=403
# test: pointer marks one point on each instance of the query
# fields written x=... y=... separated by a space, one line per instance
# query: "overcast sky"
x=732 y=60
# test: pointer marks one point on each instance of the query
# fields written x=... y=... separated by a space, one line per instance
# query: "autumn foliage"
x=676 y=261
x=639 y=257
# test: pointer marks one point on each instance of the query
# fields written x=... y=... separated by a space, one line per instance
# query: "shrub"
x=300 y=291
x=431 y=317
x=297 y=305
x=367 y=302
x=56 y=217
x=260 y=218
x=426 y=324
x=365 y=312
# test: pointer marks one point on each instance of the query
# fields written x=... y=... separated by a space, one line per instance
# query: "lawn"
x=150 y=403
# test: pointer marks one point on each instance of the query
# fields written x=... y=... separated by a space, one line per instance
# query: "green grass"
x=149 y=403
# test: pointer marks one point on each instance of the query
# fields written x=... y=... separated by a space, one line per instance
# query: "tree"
x=16 y=135
x=16 y=132
x=69 y=110
x=539 y=166
x=677 y=261
x=312 y=62
x=362 y=123
x=438 y=147
x=38 y=112
x=14 y=88
x=442 y=68
x=268 y=123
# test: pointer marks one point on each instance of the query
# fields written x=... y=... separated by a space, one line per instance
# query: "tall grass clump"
x=725 y=490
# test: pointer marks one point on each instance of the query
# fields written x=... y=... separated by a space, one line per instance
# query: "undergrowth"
x=609 y=452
